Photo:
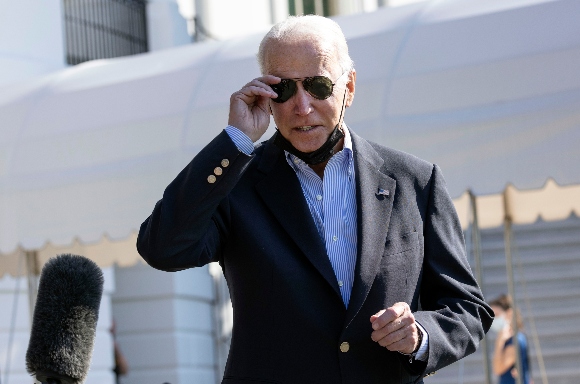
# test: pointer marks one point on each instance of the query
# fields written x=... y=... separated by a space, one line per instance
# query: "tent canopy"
x=487 y=89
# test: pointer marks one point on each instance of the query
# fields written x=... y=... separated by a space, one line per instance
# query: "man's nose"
x=302 y=101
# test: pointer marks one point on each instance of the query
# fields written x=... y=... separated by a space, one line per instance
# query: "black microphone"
x=65 y=320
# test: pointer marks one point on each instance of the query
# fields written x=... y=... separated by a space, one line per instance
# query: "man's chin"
x=306 y=148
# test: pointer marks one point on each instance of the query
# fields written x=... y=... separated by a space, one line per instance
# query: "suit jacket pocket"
x=401 y=244
x=397 y=277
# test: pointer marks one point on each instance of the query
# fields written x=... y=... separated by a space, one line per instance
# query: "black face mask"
x=320 y=155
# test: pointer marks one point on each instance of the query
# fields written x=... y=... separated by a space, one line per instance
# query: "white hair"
x=309 y=28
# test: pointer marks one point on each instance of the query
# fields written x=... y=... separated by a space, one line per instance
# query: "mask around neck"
x=318 y=156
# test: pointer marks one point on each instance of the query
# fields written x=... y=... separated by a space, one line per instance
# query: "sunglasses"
x=319 y=87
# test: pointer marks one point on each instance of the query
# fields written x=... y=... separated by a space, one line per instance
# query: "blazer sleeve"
x=453 y=310
x=189 y=225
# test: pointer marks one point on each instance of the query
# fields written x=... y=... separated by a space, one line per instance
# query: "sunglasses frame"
x=291 y=85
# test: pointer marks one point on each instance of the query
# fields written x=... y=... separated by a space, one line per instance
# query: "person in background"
x=504 y=356
x=121 y=366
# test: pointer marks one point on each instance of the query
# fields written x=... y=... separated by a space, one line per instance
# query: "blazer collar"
x=373 y=217
x=280 y=186
x=281 y=192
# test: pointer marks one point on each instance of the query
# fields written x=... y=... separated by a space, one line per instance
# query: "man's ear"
x=350 y=85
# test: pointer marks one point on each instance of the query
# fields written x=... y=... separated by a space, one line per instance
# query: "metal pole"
x=299 y=7
x=32 y=269
x=476 y=244
x=510 y=281
x=318 y=7
x=333 y=7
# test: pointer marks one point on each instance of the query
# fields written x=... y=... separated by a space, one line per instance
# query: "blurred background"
x=103 y=102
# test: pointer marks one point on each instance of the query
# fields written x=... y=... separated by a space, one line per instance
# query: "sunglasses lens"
x=285 y=89
x=318 y=86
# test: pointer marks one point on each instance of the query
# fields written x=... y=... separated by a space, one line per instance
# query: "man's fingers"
x=400 y=308
x=263 y=82
x=401 y=340
x=377 y=315
x=392 y=338
x=385 y=316
x=395 y=329
x=249 y=110
x=259 y=86
x=392 y=327
x=249 y=94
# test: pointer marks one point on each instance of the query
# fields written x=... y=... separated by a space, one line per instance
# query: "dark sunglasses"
x=319 y=87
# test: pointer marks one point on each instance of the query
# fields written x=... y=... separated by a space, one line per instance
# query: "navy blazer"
x=289 y=317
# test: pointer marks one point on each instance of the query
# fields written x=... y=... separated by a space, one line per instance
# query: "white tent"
x=489 y=90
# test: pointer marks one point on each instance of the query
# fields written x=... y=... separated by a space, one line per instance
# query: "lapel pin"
x=383 y=192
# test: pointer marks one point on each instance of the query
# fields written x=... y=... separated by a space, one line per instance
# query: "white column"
x=166 y=27
x=103 y=361
x=346 y=7
x=165 y=325
x=279 y=10
x=370 y=5
x=31 y=39
x=224 y=19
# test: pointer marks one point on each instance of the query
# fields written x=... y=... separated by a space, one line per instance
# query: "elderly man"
x=344 y=259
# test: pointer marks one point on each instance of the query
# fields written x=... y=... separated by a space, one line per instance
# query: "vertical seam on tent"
x=395 y=65
x=195 y=93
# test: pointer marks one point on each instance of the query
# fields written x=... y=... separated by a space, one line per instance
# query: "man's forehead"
x=303 y=44
x=299 y=53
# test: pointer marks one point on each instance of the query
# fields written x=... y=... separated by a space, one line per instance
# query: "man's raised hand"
x=249 y=107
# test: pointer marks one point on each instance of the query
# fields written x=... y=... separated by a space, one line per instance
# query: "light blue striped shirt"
x=332 y=203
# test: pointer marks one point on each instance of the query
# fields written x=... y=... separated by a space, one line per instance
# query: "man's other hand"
x=395 y=329
x=249 y=107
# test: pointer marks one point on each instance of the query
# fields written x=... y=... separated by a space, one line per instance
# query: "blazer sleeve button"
x=225 y=163
x=211 y=179
x=218 y=171
x=344 y=347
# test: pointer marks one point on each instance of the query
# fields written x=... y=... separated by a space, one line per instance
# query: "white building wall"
x=13 y=369
x=165 y=325
x=31 y=39
x=14 y=330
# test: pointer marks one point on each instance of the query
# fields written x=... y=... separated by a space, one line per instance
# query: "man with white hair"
x=344 y=259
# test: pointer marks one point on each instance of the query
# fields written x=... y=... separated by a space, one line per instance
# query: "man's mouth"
x=305 y=128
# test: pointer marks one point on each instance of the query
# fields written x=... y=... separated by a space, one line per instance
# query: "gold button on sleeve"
x=344 y=346
x=218 y=171
x=211 y=179
x=225 y=163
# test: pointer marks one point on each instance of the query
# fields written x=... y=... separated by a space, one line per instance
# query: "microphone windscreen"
x=65 y=318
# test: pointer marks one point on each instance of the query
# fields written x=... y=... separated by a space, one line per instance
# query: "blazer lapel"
x=281 y=192
x=374 y=209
